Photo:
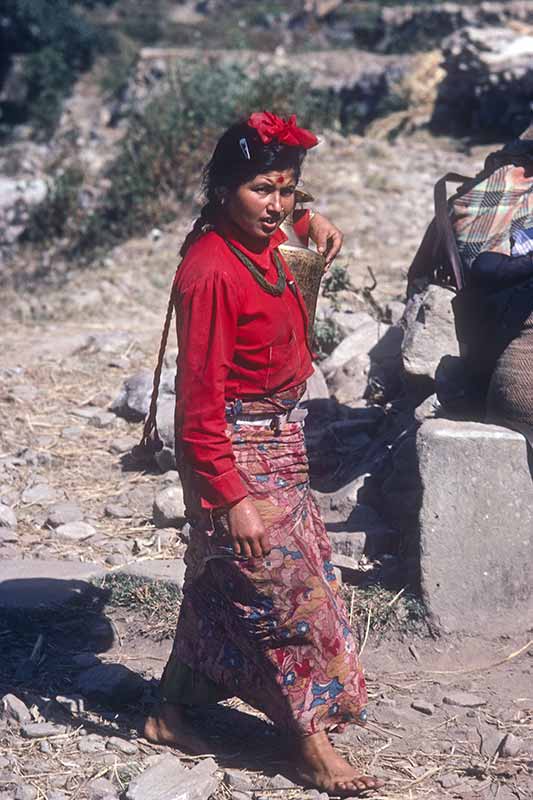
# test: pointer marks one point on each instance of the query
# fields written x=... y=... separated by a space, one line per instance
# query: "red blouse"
x=235 y=341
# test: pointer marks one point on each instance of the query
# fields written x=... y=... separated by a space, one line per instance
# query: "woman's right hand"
x=247 y=531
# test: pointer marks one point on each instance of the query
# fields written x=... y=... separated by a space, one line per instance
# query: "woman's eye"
x=288 y=191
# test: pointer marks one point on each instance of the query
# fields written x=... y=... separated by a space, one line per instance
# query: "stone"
x=102 y=419
x=160 y=569
x=489 y=740
x=44 y=583
x=429 y=333
x=74 y=704
x=91 y=744
x=348 y=383
x=111 y=684
x=122 y=746
x=316 y=387
x=133 y=400
x=348 y=543
x=167 y=779
x=281 y=782
x=56 y=795
x=8 y=518
x=41 y=730
x=463 y=699
x=25 y=791
x=8 y=536
x=423 y=707
x=169 y=507
x=14 y=709
x=74 y=531
x=510 y=746
x=118 y=511
x=237 y=780
x=123 y=444
x=101 y=789
x=63 y=513
x=475 y=526
x=40 y=494
x=359 y=343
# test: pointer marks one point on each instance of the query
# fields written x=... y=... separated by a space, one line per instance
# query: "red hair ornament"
x=269 y=127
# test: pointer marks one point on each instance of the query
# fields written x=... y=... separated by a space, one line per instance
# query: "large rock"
x=488 y=84
x=169 y=508
x=168 y=779
x=133 y=400
x=476 y=526
x=112 y=684
x=429 y=333
x=33 y=584
x=366 y=332
x=8 y=518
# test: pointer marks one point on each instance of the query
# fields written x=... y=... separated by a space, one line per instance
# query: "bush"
x=60 y=210
x=59 y=44
x=326 y=336
x=162 y=154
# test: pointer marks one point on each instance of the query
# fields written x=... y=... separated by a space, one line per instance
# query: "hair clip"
x=244 y=147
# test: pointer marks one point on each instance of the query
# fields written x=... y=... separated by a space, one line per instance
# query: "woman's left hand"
x=327 y=237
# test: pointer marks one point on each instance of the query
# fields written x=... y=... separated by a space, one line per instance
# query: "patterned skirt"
x=274 y=630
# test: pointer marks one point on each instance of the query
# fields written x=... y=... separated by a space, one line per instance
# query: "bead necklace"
x=275 y=289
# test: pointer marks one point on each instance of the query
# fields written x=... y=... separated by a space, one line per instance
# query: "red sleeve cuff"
x=221 y=490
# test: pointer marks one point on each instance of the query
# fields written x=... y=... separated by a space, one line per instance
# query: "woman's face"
x=259 y=206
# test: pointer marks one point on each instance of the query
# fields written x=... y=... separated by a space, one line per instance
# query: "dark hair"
x=230 y=167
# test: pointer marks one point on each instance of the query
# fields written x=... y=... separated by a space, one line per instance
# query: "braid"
x=206 y=218
x=151 y=441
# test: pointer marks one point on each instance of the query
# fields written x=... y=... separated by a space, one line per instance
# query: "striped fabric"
x=492 y=213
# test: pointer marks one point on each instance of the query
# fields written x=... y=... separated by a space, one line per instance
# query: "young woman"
x=262 y=618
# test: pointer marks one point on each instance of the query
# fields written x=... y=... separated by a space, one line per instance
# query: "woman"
x=261 y=617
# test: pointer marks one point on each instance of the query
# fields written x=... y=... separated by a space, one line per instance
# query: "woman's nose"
x=275 y=202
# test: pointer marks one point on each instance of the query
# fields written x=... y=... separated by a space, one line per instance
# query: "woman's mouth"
x=270 y=224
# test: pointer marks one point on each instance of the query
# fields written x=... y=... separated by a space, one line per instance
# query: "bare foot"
x=329 y=772
x=169 y=725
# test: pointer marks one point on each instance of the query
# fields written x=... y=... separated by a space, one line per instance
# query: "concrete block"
x=32 y=584
x=476 y=526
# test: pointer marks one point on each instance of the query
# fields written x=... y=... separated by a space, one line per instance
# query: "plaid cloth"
x=489 y=216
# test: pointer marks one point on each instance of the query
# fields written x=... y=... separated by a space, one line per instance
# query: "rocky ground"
x=449 y=717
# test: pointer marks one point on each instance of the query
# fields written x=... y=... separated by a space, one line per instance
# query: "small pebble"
x=510 y=746
x=122 y=745
x=38 y=730
x=464 y=700
x=423 y=708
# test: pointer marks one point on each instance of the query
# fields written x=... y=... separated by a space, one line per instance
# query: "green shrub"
x=59 y=213
x=166 y=146
x=326 y=336
x=59 y=43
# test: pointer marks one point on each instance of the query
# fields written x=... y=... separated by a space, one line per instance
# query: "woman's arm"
x=207 y=315
x=498 y=271
x=327 y=237
x=206 y=318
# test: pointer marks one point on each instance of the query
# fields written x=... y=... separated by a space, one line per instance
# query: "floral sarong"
x=274 y=630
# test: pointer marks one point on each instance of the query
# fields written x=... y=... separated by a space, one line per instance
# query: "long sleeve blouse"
x=235 y=341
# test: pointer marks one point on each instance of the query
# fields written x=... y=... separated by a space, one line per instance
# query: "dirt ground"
x=64 y=357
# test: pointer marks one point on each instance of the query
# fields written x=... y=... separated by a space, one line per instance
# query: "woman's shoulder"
x=207 y=259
